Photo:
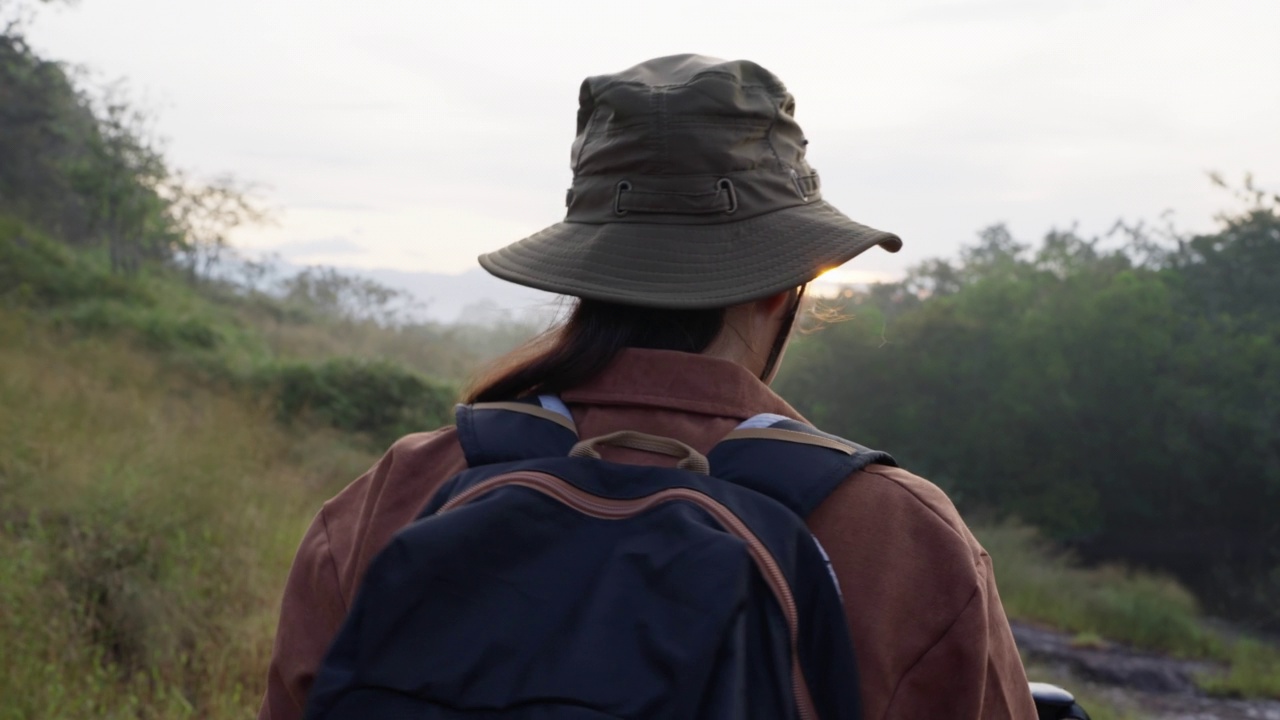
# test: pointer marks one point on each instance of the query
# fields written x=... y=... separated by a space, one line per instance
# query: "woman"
x=694 y=223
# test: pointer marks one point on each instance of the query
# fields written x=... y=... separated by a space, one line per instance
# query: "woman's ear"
x=777 y=303
x=774 y=311
x=777 y=313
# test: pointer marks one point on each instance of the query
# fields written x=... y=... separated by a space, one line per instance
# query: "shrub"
x=158 y=328
x=1254 y=672
x=1141 y=609
x=377 y=398
x=1112 y=603
x=37 y=271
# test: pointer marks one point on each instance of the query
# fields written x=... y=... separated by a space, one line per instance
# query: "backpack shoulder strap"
x=525 y=429
x=791 y=462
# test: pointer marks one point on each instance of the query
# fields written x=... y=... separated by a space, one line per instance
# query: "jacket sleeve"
x=920 y=596
x=972 y=671
x=311 y=613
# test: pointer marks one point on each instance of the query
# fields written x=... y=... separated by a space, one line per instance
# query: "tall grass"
x=1113 y=603
x=147 y=525
x=1141 y=609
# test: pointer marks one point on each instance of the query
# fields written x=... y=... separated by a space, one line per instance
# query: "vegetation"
x=1122 y=397
x=147 y=522
x=1042 y=585
x=172 y=415
x=378 y=397
x=228 y=337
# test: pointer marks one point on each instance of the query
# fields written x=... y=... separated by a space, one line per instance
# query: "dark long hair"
x=593 y=335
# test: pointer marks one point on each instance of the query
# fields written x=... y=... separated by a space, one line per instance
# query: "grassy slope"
x=148 y=523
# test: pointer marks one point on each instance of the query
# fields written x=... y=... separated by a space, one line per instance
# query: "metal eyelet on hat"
x=795 y=182
x=623 y=186
x=727 y=184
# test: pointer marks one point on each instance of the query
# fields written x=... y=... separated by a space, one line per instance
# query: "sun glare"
x=833 y=280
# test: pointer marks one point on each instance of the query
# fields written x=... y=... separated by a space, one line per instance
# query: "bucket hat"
x=690 y=190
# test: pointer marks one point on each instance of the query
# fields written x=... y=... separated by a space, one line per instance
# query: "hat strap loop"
x=722 y=199
x=806 y=185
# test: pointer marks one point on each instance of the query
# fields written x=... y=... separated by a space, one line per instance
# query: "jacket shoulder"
x=894 y=484
x=415 y=453
x=361 y=519
x=884 y=515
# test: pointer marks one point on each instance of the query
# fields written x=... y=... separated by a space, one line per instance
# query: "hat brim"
x=687 y=266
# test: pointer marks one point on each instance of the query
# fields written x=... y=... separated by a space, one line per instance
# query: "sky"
x=416 y=134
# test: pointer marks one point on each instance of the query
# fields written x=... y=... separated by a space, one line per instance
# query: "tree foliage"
x=1126 y=401
x=87 y=168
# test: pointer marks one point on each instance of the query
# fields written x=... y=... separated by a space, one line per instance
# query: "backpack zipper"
x=611 y=509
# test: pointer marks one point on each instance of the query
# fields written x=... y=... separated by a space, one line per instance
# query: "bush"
x=1141 y=609
x=36 y=271
x=1254 y=672
x=378 y=398
x=1112 y=603
x=157 y=328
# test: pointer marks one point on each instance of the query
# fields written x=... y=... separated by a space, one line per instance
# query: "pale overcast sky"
x=415 y=134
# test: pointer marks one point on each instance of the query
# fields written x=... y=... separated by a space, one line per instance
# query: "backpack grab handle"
x=690 y=459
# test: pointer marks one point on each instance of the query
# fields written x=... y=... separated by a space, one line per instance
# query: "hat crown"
x=686 y=113
x=678 y=125
x=690 y=190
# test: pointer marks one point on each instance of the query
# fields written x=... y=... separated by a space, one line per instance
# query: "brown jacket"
x=930 y=635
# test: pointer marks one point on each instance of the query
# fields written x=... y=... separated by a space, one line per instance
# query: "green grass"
x=1254 y=672
x=1145 y=610
x=146 y=526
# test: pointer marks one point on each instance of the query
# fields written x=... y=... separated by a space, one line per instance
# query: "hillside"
x=148 y=521
x=164 y=442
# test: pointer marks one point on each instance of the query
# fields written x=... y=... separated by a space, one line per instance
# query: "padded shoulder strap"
x=794 y=463
x=520 y=430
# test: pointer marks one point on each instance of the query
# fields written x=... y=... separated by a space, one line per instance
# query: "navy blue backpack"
x=544 y=582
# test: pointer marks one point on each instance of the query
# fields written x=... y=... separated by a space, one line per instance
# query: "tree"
x=1124 y=399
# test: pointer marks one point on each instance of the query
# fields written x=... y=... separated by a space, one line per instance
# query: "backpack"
x=544 y=582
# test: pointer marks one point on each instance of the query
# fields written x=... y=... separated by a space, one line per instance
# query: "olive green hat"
x=690 y=190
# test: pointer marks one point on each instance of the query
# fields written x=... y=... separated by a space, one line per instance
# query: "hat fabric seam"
x=611 y=84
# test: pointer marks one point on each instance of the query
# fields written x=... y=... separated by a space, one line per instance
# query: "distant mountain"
x=474 y=296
